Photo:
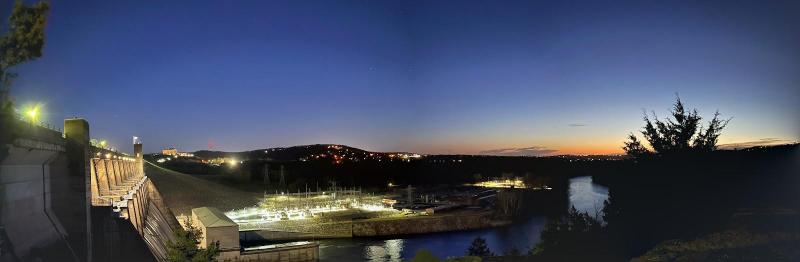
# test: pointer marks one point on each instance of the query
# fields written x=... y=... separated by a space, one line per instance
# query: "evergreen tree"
x=680 y=134
x=479 y=248
x=564 y=236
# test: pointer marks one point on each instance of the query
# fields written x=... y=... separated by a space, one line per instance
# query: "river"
x=583 y=194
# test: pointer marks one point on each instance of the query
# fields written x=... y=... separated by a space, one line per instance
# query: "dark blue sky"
x=423 y=76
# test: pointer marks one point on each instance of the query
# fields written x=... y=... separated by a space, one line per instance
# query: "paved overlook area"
x=183 y=192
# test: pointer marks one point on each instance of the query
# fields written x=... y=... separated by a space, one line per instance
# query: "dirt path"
x=183 y=192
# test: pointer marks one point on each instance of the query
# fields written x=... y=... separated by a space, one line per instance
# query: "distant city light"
x=503 y=183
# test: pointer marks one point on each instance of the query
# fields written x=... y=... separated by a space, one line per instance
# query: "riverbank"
x=374 y=227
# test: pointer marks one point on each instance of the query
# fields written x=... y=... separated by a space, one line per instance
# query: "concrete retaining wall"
x=309 y=252
x=35 y=206
x=420 y=225
x=372 y=227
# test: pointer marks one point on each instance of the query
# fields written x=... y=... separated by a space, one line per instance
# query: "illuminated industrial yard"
x=503 y=183
x=308 y=205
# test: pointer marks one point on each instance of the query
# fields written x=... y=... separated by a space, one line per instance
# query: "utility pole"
x=283 y=179
x=266 y=176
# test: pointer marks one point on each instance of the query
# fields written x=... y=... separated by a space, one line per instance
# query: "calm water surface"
x=584 y=195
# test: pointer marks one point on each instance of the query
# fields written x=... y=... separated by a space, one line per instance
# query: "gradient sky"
x=424 y=76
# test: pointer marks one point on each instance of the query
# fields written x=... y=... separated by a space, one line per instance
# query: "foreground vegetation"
x=184 y=247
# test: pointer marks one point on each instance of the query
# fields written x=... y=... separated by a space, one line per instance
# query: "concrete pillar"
x=94 y=183
x=121 y=164
x=117 y=175
x=118 y=172
x=125 y=170
x=79 y=225
x=142 y=207
x=132 y=216
x=112 y=182
x=129 y=170
x=102 y=175
x=139 y=155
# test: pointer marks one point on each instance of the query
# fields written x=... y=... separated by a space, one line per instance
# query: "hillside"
x=305 y=152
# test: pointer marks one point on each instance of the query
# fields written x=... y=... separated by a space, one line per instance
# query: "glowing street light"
x=33 y=112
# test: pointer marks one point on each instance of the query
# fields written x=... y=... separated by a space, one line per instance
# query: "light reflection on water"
x=449 y=244
x=583 y=194
x=389 y=251
x=587 y=196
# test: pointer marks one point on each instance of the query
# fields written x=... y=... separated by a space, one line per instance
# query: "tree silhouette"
x=23 y=42
x=573 y=237
x=680 y=134
x=479 y=248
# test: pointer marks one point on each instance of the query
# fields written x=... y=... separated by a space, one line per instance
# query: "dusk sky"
x=491 y=77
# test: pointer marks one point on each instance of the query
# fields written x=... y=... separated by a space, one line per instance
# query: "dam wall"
x=64 y=199
x=44 y=208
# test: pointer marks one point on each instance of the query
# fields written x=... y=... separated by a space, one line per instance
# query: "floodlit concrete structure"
x=62 y=199
x=215 y=226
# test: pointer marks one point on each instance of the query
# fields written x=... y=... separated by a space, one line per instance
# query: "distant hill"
x=308 y=152
x=348 y=153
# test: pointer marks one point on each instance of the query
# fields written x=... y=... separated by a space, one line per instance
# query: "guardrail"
x=38 y=123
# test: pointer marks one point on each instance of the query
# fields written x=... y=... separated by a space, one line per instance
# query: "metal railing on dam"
x=64 y=199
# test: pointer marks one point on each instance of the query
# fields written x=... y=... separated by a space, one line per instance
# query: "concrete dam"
x=64 y=199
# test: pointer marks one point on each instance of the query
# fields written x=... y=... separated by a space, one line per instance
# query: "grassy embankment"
x=183 y=192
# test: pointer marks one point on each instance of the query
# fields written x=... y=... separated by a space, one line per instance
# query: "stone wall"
x=298 y=230
x=300 y=253
x=421 y=224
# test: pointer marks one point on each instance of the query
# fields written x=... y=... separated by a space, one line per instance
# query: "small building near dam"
x=215 y=226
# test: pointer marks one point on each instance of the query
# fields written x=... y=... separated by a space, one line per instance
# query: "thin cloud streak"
x=519 y=151
x=769 y=141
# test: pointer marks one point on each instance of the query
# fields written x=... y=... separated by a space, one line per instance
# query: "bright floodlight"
x=33 y=113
